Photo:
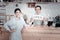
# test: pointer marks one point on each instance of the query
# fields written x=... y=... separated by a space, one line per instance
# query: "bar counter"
x=35 y=33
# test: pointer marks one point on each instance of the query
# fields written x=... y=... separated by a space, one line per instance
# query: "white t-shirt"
x=37 y=19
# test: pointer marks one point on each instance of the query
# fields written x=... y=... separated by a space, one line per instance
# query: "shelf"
x=31 y=1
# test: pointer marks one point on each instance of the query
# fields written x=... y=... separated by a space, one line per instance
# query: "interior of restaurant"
x=50 y=30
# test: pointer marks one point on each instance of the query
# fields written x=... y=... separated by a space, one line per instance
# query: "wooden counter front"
x=36 y=33
x=3 y=34
x=41 y=33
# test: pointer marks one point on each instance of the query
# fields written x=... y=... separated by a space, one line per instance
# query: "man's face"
x=18 y=13
x=38 y=10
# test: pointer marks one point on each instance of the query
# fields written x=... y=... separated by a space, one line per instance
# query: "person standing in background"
x=38 y=18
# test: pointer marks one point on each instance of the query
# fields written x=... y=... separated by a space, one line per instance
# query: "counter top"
x=42 y=29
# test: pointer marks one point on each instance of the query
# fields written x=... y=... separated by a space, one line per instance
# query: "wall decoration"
x=31 y=4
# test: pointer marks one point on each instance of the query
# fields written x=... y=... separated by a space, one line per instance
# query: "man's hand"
x=12 y=31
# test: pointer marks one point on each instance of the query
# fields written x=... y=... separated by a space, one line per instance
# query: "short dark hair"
x=38 y=6
x=16 y=10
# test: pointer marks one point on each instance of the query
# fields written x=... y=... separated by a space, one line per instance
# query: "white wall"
x=24 y=8
x=48 y=9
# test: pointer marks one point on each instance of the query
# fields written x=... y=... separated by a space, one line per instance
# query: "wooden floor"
x=36 y=33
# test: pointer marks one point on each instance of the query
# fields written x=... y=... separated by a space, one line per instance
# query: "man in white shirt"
x=37 y=18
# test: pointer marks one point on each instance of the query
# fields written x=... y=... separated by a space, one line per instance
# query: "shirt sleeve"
x=6 y=25
x=31 y=20
x=23 y=22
